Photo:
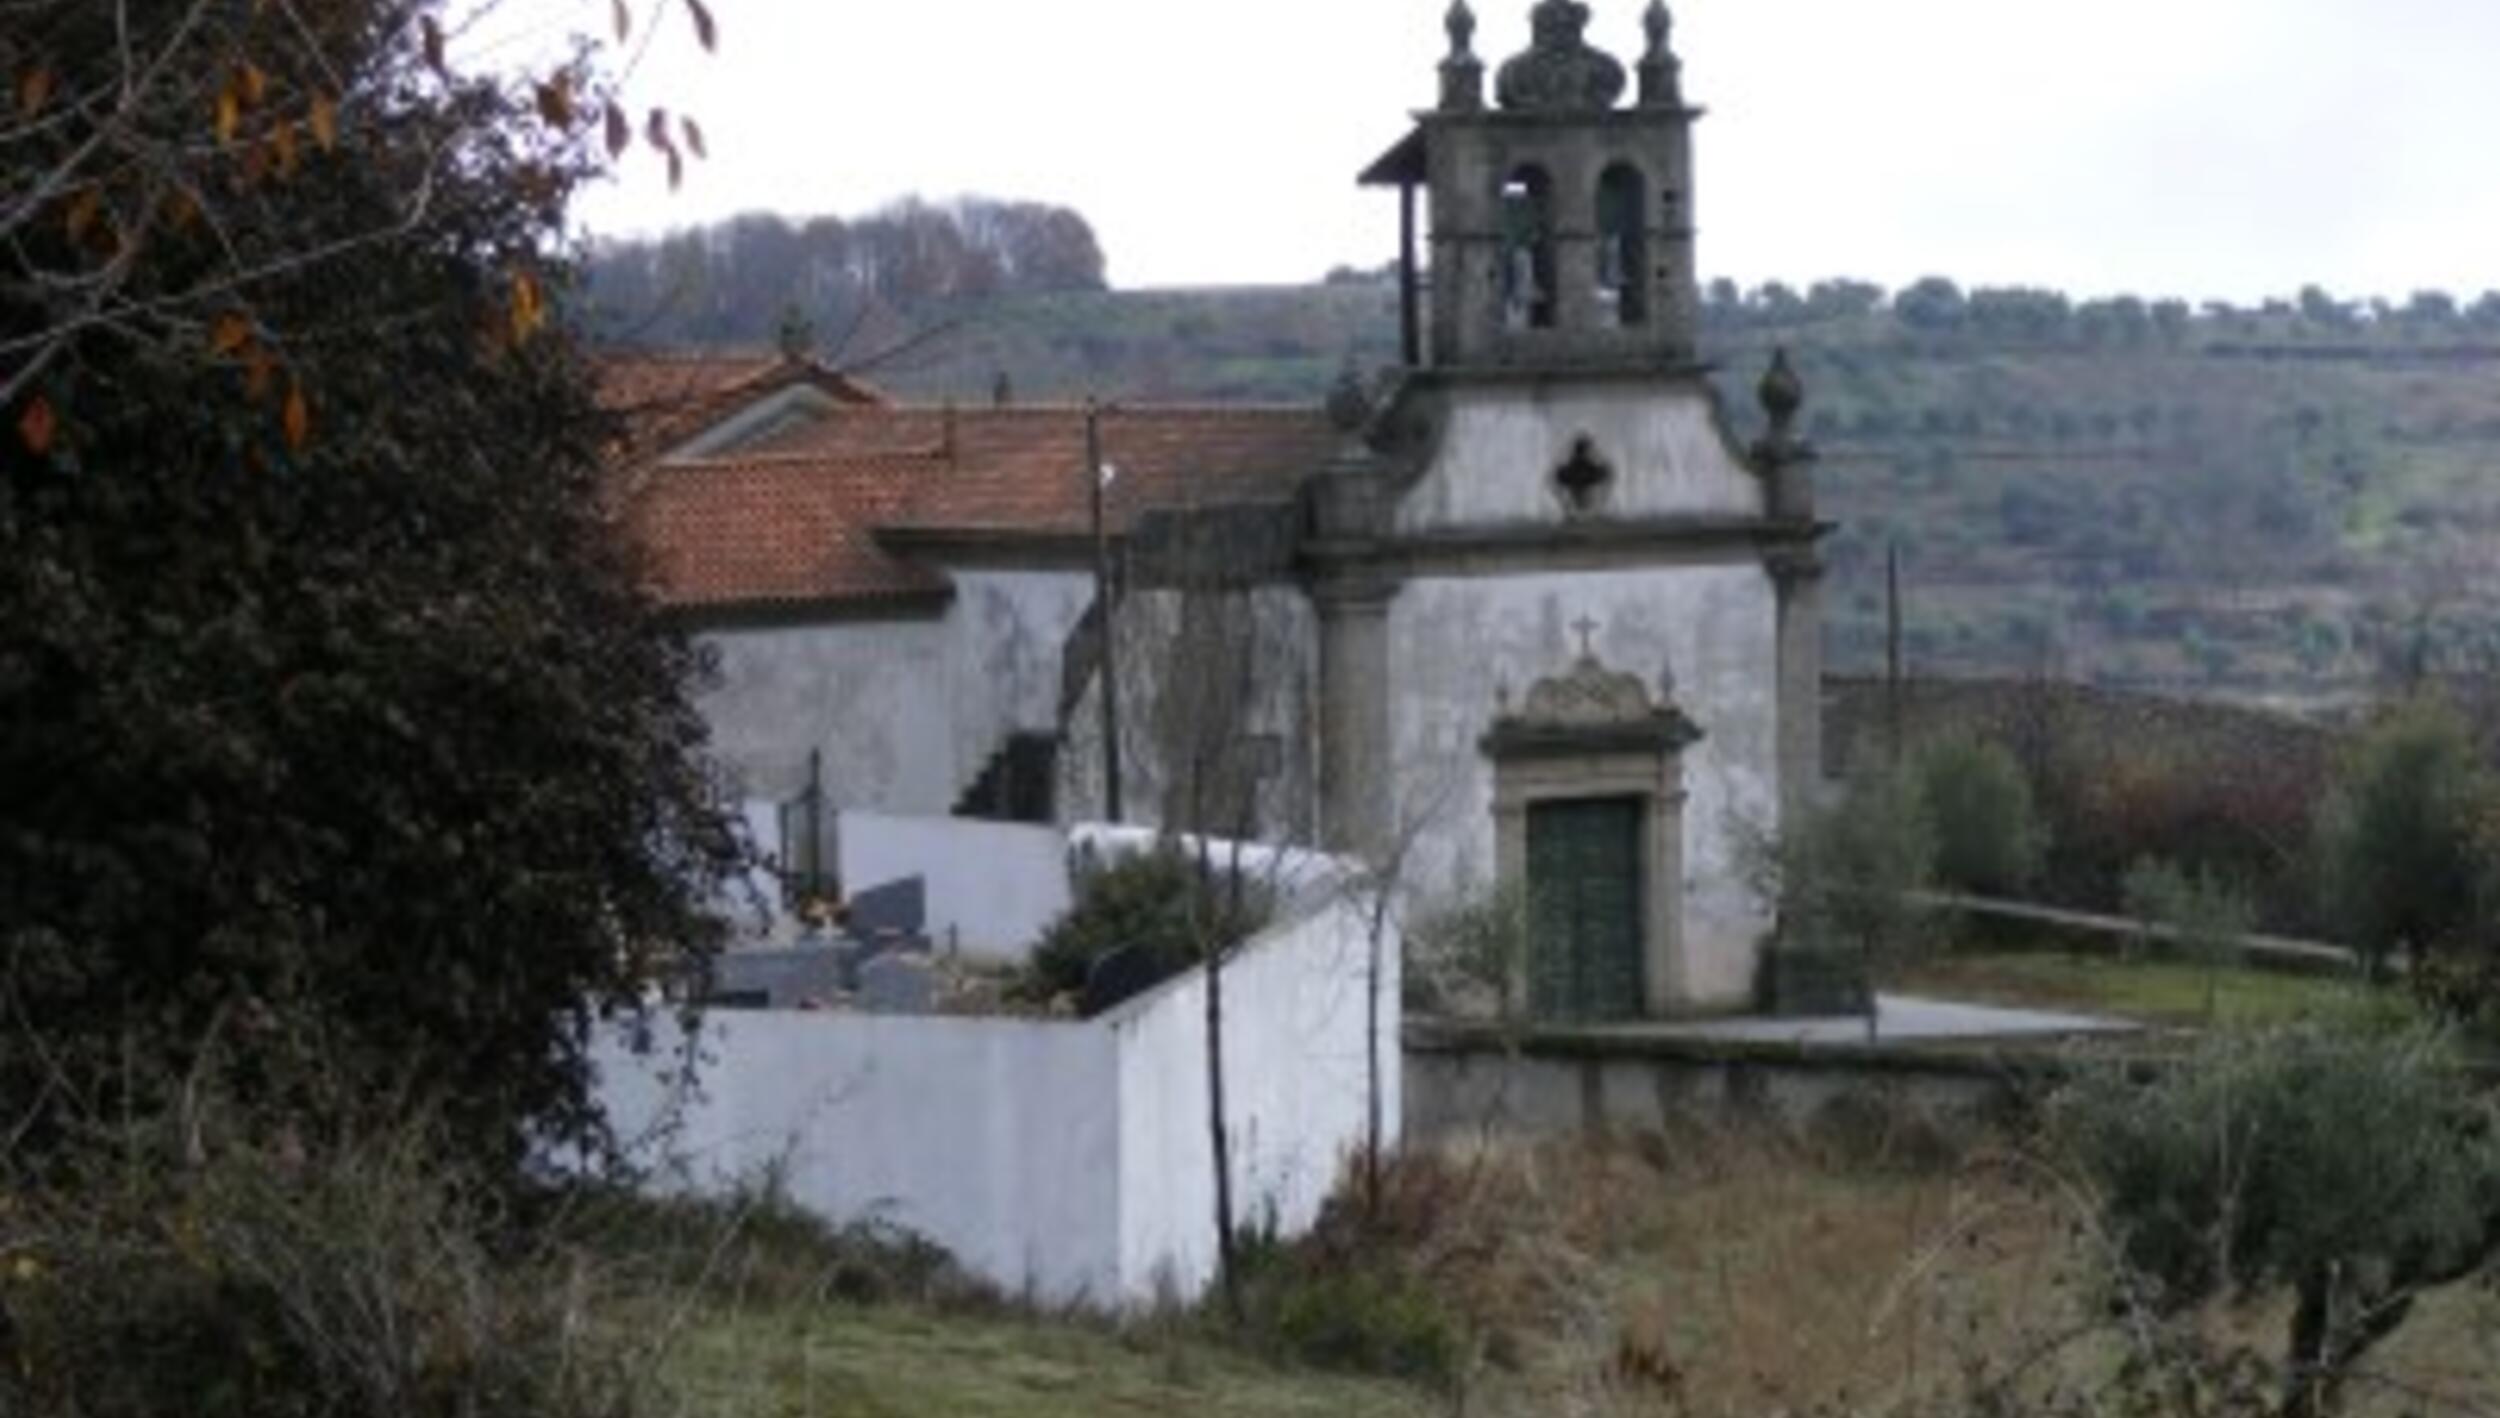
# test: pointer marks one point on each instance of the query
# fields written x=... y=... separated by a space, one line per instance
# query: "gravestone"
x=1120 y=976
x=897 y=982
x=776 y=979
x=898 y=907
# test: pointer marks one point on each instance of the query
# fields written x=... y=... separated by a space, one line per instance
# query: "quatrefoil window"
x=1583 y=479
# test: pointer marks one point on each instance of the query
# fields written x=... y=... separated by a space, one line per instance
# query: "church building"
x=1520 y=613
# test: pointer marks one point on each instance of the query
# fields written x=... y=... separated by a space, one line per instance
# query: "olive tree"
x=1844 y=881
x=1988 y=837
x=2396 y=837
x=2353 y=1168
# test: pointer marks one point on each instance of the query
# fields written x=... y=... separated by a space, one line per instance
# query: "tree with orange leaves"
x=342 y=755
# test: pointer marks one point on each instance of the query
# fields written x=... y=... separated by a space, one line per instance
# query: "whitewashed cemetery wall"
x=1065 y=1160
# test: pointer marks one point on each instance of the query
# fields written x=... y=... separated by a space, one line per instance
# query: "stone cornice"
x=1578 y=546
x=1587 y=369
x=798 y=614
x=1009 y=547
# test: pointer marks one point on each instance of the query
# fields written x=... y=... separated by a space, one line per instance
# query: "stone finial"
x=795 y=335
x=1561 y=72
x=1462 y=74
x=1782 y=393
x=1661 y=73
x=1349 y=399
x=1780 y=455
x=1658 y=24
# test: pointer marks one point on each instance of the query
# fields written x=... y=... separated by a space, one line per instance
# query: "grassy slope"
x=869 y=1363
x=1735 y=1275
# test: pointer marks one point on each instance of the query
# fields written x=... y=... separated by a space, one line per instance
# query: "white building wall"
x=873 y=696
x=1502 y=445
x=1006 y=632
x=1284 y=703
x=1457 y=644
x=993 y=887
x=906 y=711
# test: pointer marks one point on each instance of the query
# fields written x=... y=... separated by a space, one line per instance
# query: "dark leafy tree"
x=1933 y=306
x=339 y=745
x=729 y=283
x=1843 y=299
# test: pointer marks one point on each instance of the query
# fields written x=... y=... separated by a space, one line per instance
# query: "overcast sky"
x=2203 y=148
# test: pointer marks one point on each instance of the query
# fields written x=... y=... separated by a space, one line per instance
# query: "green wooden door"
x=1585 y=909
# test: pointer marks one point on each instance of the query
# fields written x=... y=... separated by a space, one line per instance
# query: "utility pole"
x=1892 y=653
x=1096 y=475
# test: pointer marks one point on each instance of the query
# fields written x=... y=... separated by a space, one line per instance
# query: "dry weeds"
x=1739 y=1274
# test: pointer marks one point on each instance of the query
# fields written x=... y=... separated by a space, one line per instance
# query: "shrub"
x=2237 y=809
x=1165 y=903
x=1464 y=958
x=1368 y=1321
x=2396 y=836
x=1359 y=1293
x=1988 y=838
x=757 y=1247
x=2204 y=916
x=168 y=1269
x=1840 y=882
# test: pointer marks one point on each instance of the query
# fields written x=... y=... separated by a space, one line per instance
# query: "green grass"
x=850 y=1362
x=2173 y=992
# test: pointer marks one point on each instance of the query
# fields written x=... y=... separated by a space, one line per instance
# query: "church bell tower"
x=1561 y=214
x=1569 y=624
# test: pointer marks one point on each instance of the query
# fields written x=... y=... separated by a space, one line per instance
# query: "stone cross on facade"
x=1587 y=630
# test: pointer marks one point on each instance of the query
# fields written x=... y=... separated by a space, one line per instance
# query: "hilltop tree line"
x=1936 y=307
x=737 y=282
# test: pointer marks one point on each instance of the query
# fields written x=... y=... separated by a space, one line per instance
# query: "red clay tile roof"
x=775 y=530
x=794 y=520
x=666 y=398
x=1022 y=469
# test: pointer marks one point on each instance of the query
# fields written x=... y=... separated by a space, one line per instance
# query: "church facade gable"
x=1580 y=455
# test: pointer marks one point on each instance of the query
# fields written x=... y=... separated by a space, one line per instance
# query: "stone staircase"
x=1019 y=783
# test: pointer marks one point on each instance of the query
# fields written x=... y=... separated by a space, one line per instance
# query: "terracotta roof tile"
x=1022 y=469
x=756 y=531
x=794 y=520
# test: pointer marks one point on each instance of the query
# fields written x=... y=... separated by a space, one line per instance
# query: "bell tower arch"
x=1560 y=215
